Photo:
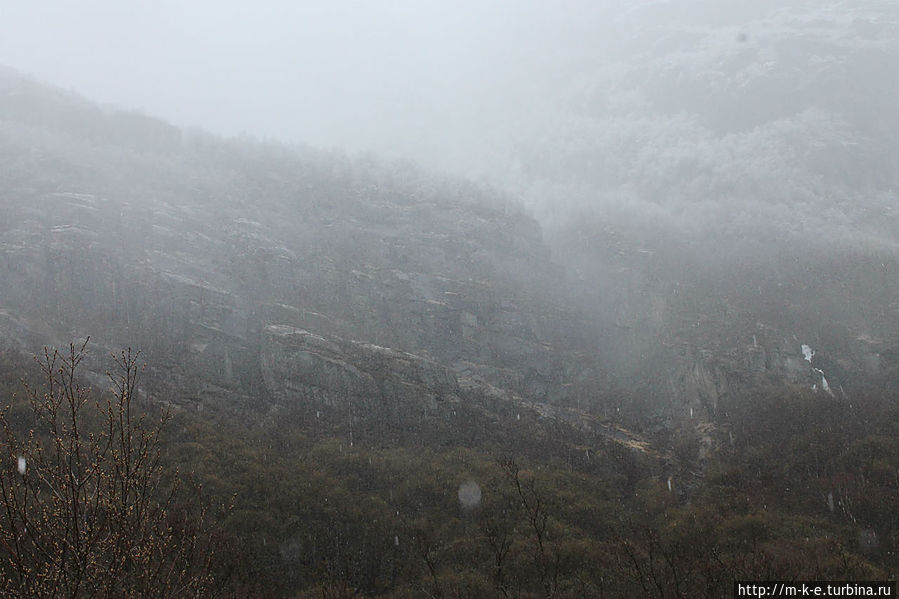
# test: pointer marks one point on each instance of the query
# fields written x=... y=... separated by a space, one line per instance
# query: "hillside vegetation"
x=381 y=381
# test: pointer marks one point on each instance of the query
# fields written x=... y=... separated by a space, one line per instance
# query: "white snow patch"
x=808 y=353
x=824 y=383
x=21 y=465
x=469 y=494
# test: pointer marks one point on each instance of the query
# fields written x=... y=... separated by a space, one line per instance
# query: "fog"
x=424 y=80
x=697 y=117
x=659 y=144
x=512 y=297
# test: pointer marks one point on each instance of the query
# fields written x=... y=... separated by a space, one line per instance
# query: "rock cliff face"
x=205 y=253
x=248 y=271
x=695 y=370
x=300 y=366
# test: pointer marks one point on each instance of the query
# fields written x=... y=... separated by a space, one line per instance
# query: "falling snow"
x=469 y=494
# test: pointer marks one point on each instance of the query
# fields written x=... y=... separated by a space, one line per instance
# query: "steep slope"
x=123 y=228
x=722 y=180
x=383 y=369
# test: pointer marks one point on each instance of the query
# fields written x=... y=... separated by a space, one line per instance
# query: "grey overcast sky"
x=448 y=83
x=423 y=78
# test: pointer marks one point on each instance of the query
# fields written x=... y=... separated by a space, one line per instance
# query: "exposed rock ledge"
x=304 y=366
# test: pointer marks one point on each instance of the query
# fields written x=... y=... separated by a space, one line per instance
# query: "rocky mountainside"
x=681 y=371
x=219 y=259
x=721 y=180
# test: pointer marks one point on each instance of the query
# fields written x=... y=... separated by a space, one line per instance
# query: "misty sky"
x=689 y=113
x=445 y=83
x=424 y=78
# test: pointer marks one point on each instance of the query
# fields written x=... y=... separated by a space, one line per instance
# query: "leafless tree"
x=87 y=508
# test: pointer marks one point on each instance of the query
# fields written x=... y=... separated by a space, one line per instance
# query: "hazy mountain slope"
x=350 y=344
x=121 y=227
x=718 y=182
x=718 y=173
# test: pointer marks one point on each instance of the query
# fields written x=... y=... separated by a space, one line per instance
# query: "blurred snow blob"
x=469 y=494
x=22 y=465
